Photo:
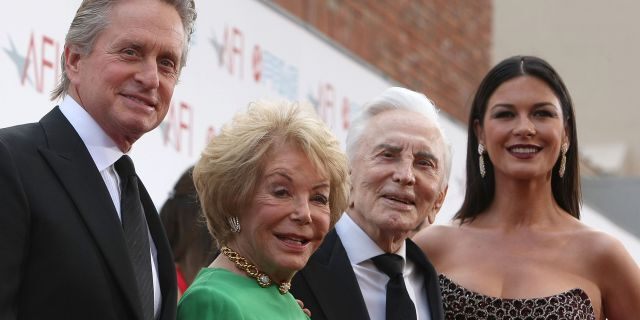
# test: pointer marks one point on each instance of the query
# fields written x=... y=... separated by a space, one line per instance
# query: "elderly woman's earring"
x=563 y=160
x=234 y=223
x=483 y=171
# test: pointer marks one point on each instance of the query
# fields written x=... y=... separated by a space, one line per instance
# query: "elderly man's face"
x=127 y=80
x=396 y=174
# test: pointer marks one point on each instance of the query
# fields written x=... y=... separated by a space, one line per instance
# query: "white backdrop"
x=242 y=51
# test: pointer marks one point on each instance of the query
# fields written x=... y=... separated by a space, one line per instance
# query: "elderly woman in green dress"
x=271 y=185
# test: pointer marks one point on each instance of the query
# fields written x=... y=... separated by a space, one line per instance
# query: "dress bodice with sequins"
x=461 y=303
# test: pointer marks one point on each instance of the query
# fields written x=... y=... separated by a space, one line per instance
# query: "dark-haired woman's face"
x=523 y=129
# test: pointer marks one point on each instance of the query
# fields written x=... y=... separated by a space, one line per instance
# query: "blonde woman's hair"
x=231 y=165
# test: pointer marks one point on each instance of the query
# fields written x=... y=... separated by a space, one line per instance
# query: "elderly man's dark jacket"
x=329 y=289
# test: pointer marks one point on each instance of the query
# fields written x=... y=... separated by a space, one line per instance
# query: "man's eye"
x=426 y=163
x=129 y=52
x=168 y=63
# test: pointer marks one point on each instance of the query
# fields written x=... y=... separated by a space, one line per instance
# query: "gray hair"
x=396 y=98
x=92 y=17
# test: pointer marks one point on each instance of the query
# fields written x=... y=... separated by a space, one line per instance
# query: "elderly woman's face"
x=288 y=216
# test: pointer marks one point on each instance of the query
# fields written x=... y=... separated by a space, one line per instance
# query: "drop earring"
x=563 y=160
x=481 y=149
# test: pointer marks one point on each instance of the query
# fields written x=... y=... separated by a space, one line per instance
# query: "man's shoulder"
x=415 y=254
x=21 y=137
x=25 y=133
x=326 y=249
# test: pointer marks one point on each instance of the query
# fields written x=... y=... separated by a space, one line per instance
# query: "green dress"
x=221 y=294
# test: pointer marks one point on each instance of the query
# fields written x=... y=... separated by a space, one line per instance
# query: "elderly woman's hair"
x=396 y=98
x=92 y=18
x=227 y=175
x=479 y=191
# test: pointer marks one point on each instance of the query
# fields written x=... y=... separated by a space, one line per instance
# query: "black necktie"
x=135 y=229
x=399 y=304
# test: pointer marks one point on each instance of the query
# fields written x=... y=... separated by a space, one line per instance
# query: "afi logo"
x=40 y=66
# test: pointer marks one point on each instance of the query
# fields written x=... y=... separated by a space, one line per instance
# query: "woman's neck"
x=522 y=203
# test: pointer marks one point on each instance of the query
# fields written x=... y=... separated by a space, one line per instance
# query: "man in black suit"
x=64 y=237
x=399 y=167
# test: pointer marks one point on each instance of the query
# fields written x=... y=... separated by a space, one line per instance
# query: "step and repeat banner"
x=242 y=51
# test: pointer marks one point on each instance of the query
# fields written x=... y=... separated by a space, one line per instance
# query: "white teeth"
x=300 y=241
x=524 y=150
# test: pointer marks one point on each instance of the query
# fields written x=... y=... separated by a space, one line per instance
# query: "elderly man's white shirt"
x=360 y=249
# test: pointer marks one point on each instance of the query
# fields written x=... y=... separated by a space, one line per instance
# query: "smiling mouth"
x=140 y=100
x=524 y=150
x=399 y=199
x=293 y=240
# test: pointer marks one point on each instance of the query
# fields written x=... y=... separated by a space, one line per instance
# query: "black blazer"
x=329 y=289
x=61 y=242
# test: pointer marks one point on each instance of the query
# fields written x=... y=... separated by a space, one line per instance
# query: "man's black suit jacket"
x=329 y=289
x=63 y=254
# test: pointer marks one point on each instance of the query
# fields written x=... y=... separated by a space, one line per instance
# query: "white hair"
x=396 y=98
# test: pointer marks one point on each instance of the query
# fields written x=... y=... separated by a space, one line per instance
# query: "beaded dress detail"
x=461 y=303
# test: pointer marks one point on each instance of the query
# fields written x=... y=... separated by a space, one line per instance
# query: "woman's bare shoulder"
x=614 y=271
x=436 y=238
x=598 y=245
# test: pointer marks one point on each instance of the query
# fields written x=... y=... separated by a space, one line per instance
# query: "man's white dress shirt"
x=360 y=249
x=105 y=153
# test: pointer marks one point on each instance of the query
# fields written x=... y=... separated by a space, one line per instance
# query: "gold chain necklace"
x=253 y=271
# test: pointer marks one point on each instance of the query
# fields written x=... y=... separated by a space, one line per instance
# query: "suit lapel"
x=430 y=278
x=71 y=162
x=331 y=278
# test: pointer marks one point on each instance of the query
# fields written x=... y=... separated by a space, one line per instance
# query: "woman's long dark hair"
x=480 y=191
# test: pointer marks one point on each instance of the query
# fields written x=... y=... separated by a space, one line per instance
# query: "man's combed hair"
x=228 y=172
x=92 y=18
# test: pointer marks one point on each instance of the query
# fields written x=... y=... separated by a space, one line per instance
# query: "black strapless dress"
x=461 y=303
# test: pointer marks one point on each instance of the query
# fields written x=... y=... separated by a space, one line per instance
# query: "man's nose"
x=403 y=173
x=147 y=75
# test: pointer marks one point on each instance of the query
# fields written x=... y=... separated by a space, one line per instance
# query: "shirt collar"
x=101 y=147
x=359 y=246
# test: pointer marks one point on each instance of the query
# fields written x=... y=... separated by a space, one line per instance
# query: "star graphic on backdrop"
x=218 y=47
x=17 y=58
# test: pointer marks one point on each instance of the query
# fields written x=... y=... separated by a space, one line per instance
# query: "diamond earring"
x=481 y=149
x=234 y=223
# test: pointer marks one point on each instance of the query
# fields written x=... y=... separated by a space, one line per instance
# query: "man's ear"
x=440 y=199
x=72 y=57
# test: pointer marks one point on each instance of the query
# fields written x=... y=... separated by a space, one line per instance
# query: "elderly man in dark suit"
x=367 y=267
x=79 y=235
